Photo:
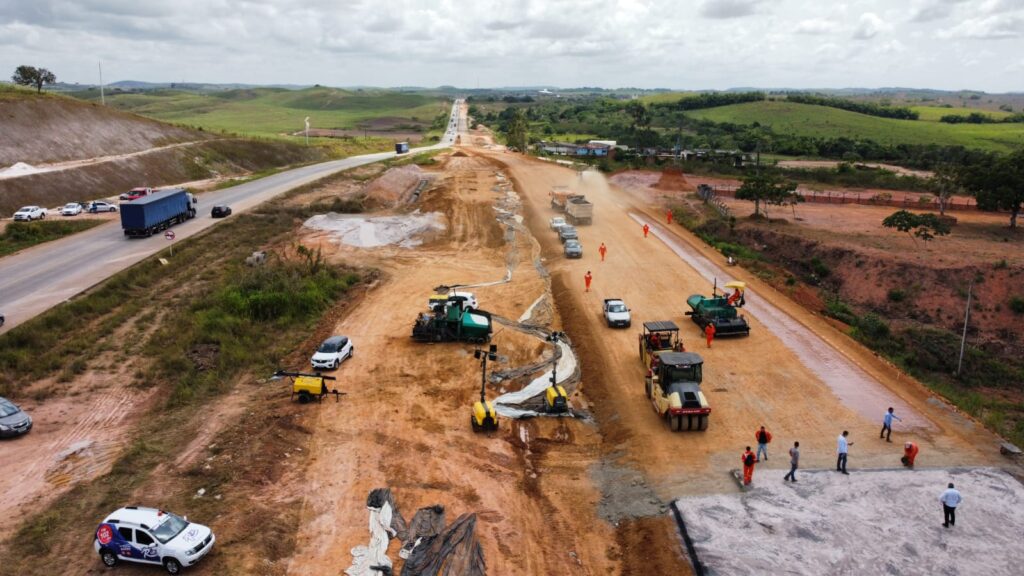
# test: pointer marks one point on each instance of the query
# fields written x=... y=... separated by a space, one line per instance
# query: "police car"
x=151 y=536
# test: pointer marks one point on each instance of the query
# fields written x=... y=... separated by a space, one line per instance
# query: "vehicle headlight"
x=4 y=428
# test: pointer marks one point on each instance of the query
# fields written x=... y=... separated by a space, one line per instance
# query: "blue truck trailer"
x=401 y=147
x=158 y=211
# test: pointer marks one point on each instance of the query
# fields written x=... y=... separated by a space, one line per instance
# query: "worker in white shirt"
x=842 y=448
x=950 y=500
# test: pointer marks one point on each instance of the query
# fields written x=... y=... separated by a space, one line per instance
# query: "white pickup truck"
x=616 y=313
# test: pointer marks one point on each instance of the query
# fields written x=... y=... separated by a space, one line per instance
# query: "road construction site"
x=595 y=490
x=588 y=494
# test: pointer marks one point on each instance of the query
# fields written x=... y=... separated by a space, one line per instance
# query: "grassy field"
x=20 y=235
x=276 y=111
x=934 y=113
x=824 y=122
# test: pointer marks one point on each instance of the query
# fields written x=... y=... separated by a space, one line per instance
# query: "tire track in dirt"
x=848 y=381
x=83 y=451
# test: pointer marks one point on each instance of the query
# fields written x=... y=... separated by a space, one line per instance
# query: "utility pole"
x=103 y=99
x=307 y=130
x=963 y=339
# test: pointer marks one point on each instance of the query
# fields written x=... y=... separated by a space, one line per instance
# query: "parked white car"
x=72 y=209
x=556 y=222
x=101 y=206
x=332 y=353
x=151 y=536
x=466 y=300
x=30 y=213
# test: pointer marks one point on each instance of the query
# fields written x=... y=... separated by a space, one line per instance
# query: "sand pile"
x=406 y=231
x=395 y=184
x=673 y=179
x=20 y=169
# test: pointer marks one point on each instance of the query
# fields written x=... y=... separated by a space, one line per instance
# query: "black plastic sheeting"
x=431 y=548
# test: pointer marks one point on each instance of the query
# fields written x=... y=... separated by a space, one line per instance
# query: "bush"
x=1017 y=304
x=836 y=308
x=896 y=295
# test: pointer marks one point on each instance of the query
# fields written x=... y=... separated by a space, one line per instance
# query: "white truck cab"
x=151 y=536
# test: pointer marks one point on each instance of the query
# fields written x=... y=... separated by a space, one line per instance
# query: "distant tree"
x=923 y=226
x=945 y=185
x=516 y=133
x=997 y=182
x=32 y=76
x=769 y=188
x=641 y=120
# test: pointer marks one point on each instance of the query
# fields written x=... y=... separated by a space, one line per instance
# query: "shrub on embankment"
x=919 y=333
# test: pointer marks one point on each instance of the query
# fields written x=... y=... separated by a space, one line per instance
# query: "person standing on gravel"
x=763 y=438
x=842 y=448
x=587 y=279
x=794 y=461
x=709 y=332
x=603 y=250
x=950 y=500
x=646 y=230
x=887 y=425
x=748 y=460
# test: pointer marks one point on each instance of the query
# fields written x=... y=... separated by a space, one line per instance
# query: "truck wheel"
x=702 y=422
x=172 y=566
x=679 y=423
x=472 y=422
x=108 y=557
x=647 y=386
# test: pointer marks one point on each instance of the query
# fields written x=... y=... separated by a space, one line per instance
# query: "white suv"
x=151 y=536
x=30 y=213
x=332 y=352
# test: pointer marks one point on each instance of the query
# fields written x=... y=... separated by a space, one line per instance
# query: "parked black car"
x=13 y=421
x=221 y=211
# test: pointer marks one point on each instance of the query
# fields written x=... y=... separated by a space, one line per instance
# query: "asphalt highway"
x=34 y=280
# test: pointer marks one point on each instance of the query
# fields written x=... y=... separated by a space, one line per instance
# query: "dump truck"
x=401 y=147
x=721 y=311
x=656 y=338
x=579 y=211
x=673 y=387
x=452 y=322
x=158 y=211
x=560 y=197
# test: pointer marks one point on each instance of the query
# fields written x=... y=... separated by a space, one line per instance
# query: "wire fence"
x=920 y=201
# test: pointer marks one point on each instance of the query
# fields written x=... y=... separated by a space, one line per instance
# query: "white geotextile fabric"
x=566 y=368
x=376 y=553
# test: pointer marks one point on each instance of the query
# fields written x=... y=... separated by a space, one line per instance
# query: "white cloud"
x=996 y=27
x=815 y=26
x=870 y=25
x=646 y=43
x=724 y=9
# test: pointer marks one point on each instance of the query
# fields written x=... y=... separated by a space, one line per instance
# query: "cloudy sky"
x=945 y=44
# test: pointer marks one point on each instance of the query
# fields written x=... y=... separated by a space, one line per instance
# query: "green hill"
x=824 y=122
x=273 y=111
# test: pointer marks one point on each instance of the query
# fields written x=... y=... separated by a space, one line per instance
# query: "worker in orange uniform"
x=603 y=250
x=668 y=216
x=646 y=230
x=748 y=460
x=587 y=279
x=909 y=453
x=709 y=331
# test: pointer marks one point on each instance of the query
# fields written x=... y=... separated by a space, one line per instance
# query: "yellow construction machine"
x=556 y=401
x=484 y=418
x=309 y=387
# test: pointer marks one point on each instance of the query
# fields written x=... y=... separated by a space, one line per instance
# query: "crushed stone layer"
x=406 y=231
x=870 y=522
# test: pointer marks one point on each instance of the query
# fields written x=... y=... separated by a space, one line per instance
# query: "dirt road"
x=405 y=422
x=749 y=381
